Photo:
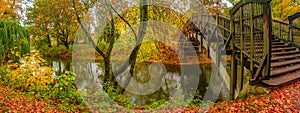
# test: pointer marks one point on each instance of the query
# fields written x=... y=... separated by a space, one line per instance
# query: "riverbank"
x=84 y=54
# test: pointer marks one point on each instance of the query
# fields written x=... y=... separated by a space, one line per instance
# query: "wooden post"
x=224 y=27
x=251 y=42
x=242 y=45
x=233 y=76
x=291 y=27
x=291 y=32
x=207 y=39
x=218 y=47
x=280 y=31
x=201 y=43
x=267 y=37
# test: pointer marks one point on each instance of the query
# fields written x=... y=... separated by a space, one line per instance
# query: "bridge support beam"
x=267 y=38
x=233 y=76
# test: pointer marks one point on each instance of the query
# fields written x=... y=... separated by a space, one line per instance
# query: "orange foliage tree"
x=8 y=9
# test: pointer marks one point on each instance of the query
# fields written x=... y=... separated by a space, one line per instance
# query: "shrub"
x=32 y=76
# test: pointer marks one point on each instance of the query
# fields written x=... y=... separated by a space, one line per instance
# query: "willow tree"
x=14 y=40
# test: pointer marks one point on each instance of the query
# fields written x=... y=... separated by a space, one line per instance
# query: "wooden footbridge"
x=267 y=50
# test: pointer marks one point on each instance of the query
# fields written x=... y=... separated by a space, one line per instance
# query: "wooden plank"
x=223 y=71
x=285 y=70
x=285 y=53
x=275 y=49
x=285 y=57
x=284 y=63
x=233 y=77
x=243 y=2
x=282 y=80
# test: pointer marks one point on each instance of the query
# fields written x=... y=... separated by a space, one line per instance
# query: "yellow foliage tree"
x=281 y=9
x=54 y=20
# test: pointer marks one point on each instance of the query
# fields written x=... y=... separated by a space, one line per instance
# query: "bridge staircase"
x=266 y=50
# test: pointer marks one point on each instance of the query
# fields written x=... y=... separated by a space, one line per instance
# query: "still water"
x=209 y=86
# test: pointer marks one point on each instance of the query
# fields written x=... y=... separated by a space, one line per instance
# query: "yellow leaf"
x=10 y=61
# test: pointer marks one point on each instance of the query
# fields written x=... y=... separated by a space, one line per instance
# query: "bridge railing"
x=209 y=23
x=251 y=29
x=288 y=32
x=214 y=31
x=248 y=31
x=294 y=29
x=281 y=30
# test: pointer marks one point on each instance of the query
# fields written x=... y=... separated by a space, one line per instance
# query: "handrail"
x=281 y=22
x=296 y=27
x=281 y=30
x=294 y=16
x=259 y=71
x=286 y=29
x=223 y=17
x=228 y=41
x=244 y=2
x=220 y=18
x=292 y=27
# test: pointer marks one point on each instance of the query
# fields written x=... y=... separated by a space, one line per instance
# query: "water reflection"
x=88 y=74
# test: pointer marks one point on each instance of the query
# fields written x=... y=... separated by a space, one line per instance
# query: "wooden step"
x=285 y=63
x=273 y=43
x=276 y=54
x=282 y=80
x=248 y=37
x=284 y=53
x=190 y=50
x=190 y=46
x=190 y=43
x=285 y=70
x=279 y=46
x=191 y=53
x=261 y=46
x=275 y=49
x=284 y=49
x=247 y=42
x=285 y=57
x=278 y=43
x=276 y=40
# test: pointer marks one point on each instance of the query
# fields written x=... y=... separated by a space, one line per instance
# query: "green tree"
x=14 y=40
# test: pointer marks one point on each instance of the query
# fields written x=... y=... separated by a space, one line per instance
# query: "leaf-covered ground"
x=284 y=100
x=14 y=101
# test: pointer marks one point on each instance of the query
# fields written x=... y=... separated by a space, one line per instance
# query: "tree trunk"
x=139 y=40
x=49 y=41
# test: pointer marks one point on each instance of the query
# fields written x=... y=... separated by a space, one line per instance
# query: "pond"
x=208 y=86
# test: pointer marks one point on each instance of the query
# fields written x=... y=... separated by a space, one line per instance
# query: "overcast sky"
x=29 y=3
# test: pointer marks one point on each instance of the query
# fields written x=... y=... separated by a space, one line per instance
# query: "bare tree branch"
x=125 y=21
x=86 y=32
